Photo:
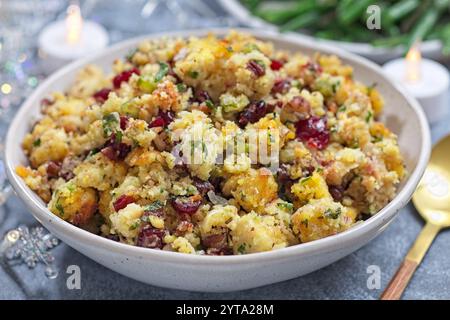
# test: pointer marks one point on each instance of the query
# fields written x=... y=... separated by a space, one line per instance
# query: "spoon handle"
x=406 y=270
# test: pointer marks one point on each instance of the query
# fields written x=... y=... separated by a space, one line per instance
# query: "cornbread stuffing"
x=102 y=155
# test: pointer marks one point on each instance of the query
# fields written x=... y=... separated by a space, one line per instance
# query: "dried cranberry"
x=254 y=112
x=280 y=86
x=53 y=169
x=186 y=205
x=203 y=186
x=123 y=122
x=163 y=119
x=102 y=95
x=202 y=96
x=122 y=201
x=122 y=150
x=115 y=150
x=256 y=67
x=168 y=116
x=337 y=192
x=111 y=140
x=157 y=122
x=124 y=77
x=276 y=65
x=110 y=153
x=150 y=237
x=313 y=131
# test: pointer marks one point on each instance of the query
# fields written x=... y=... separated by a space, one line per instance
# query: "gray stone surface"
x=345 y=279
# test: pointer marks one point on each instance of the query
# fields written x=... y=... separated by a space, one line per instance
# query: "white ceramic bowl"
x=431 y=49
x=215 y=273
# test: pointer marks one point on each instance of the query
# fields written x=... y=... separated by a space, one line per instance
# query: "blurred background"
x=22 y=21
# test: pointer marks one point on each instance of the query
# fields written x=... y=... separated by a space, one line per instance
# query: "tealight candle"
x=70 y=39
x=426 y=80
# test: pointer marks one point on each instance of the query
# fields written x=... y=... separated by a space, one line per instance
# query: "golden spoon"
x=432 y=200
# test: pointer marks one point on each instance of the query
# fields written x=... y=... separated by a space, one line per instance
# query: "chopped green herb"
x=181 y=87
x=242 y=248
x=259 y=62
x=108 y=122
x=335 y=86
x=369 y=116
x=71 y=187
x=209 y=104
x=249 y=47
x=191 y=190
x=296 y=84
x=154 y=206
x=163 y=70
x=305 y=223
x=130 y=55
x=193 y=74
x=93 y=151
x=118 y=136
x=342 y=109
x=334 y=129
x=329 y=213
x=377 y=139
x=60 y=209
x=135 y=142
x=285 y=206
x=304 y=180
x=135 y=225
x=37 y=142
x=354 y=144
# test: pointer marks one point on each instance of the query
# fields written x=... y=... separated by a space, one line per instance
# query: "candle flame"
x=74 y=24
x=413 y=61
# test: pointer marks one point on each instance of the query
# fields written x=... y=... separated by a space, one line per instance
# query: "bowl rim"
x=236 y=9
x=331 y=243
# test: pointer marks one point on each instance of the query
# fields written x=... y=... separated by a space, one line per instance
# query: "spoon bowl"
x=432 y=197
x=432 y=201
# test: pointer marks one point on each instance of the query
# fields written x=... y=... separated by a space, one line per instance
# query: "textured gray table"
x=345 y=279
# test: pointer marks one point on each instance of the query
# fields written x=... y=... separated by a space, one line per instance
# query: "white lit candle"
x=426 y=80
x=70 y=39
